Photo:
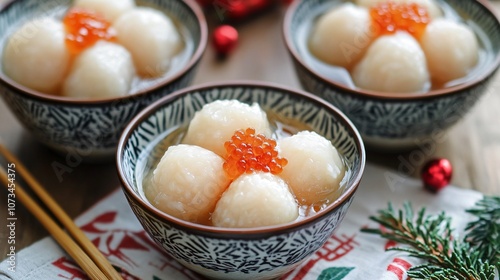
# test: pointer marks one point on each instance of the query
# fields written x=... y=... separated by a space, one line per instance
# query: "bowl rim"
x=240 y=233
x=194 y=59
x=488 y=72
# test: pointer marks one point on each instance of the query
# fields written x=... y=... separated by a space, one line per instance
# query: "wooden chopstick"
x=91 y=252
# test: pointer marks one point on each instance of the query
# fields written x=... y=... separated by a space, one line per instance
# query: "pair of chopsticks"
x=78 y=246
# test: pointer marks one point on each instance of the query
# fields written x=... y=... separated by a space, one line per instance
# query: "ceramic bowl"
x=394 y=121
x=91 y=128
x=223 y=253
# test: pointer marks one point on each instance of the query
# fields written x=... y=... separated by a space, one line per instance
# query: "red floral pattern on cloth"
x=399 y=267
x=117 y=243
x=335 y=248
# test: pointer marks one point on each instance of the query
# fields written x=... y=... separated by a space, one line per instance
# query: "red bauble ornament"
x=225 y=39
x=436 y=174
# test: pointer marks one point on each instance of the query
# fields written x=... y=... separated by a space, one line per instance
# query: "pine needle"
x=430 y=238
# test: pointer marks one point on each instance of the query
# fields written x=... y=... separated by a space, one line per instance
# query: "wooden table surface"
x=472 y=146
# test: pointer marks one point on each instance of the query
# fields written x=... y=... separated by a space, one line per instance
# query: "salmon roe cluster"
x=389 y=17
x=84 y=29
x=248 y=152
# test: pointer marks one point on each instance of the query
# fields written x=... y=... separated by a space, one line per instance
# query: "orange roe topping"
x=388 y=17
x=248 y=152
x=84 y=28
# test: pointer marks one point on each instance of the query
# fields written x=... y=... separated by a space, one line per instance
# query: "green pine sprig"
x=430 y=238
x=484 y=233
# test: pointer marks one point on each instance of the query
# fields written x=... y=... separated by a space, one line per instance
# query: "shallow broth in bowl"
x=281 y=128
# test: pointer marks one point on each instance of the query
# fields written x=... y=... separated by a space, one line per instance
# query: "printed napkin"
x=348 y=254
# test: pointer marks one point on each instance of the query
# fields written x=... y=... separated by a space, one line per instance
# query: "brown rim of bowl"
x=195 y=58
x=238 y=232
x=384 y=95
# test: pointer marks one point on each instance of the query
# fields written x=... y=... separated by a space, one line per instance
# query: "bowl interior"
x=179 y=108
x=187 y=17
x=303 y=14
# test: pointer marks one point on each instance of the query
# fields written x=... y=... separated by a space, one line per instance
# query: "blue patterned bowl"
x=91 y=128
x=395 y=121
x=221 y=253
